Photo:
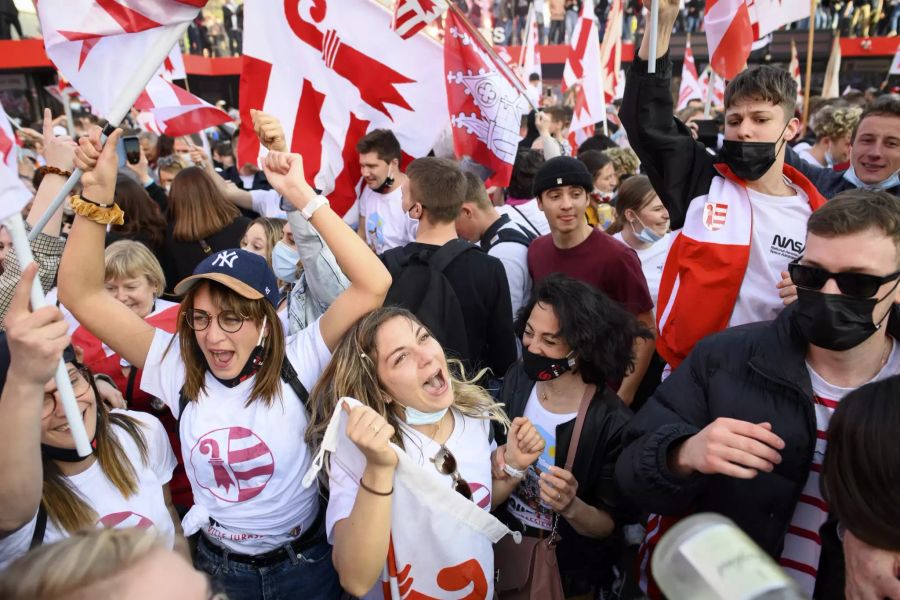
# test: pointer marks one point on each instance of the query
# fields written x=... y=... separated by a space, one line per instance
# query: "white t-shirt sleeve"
x=515 y=264
x=161 y=459
x=16 y=544
x=267 y=203
x=308 y=353
x=164 y=372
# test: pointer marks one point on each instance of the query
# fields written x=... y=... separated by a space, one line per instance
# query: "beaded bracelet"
x=98 y=213
x=55 y=171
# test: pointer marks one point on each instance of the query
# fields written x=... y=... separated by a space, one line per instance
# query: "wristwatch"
x=312 y=206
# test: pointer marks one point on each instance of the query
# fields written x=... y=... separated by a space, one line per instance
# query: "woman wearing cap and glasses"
x=412 y=396
x=239 y=380
x=50 y=492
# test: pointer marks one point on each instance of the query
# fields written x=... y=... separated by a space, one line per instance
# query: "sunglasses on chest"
x=445 y=463
x=856 y=285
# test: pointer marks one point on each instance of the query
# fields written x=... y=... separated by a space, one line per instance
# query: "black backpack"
x=497 y=233
x=421 y=287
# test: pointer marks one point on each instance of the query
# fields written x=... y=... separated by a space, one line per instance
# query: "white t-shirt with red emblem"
x=145 y=509
x=245 y=463
x=471 y=447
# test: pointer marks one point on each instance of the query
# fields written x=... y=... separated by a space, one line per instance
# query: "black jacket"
x=756 y=373
x=828 y=181
x=583 y=559
x=181 y=257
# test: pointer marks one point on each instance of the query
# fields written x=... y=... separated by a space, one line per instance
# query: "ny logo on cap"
x=559 y=181
x=225 y=258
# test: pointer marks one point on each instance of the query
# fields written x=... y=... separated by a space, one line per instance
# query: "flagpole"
x=504 y=68
x=67 y=108
x=16 y=228
x=529 y=23
x=131 y=90
x=809 y=55
x=710 y=91
x=654 y=35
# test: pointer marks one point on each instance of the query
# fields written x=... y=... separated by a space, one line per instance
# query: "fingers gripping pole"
x=654 y=35
x=16 y=228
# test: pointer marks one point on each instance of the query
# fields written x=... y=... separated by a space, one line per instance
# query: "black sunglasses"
x=857 y=285
x=445 y=463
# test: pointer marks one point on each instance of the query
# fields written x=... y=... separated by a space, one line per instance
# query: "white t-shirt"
x=387 y=225
x=145 y=509
x=802 y=545
x=267 y=203
x=528 y=215
x=807 y=156
x=525 y=501
x=514 y=257
x=245 y=463
x=778 y=237
x=469 y=442
x=653 y=259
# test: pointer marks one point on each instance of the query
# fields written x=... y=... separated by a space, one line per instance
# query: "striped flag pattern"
x=412 y=16
x=729 y=36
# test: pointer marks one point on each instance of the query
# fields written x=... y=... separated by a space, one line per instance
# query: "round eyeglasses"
x=198 y=320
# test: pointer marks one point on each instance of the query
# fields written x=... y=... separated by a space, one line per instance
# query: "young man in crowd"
x=721 y=271
x=479 y=222
x=833 y=126
x=874 y=153
x=383 y=223
x=575 y=248
x=739 y=429
x=433 y=194
x=520 y=205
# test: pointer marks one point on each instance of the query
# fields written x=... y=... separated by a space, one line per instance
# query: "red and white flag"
x=830 y=85
x=530 y=57
x=611 y=50
x=330 y=75
x=768 y=15
x=485 y=107
x=718 y=98
x=175 y=111
x=690 y=81
x=895 y=64
x=729 y=36
x=412 y=16
x=13 y=193
x=173 y=66
x=109 y=49
x=794 y=68
x=62 y=91
x=584 y=69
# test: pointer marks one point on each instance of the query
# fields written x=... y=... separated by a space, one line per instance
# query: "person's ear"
x=793 y=128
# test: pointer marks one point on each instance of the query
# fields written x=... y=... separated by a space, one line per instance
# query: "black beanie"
x=559 y=171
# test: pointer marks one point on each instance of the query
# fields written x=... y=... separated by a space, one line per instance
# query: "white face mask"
x=851 y=176
x=284 y=262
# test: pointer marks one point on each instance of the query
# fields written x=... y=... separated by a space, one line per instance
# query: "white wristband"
x=312 y=206
x=514 y=472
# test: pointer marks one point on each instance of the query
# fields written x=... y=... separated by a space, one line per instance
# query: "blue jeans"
x=310 y=576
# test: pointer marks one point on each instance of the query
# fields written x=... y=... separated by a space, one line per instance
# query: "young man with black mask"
x=383 y=223
x=742 y=215
x=740 y=428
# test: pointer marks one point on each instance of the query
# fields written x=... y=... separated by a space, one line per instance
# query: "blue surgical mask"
x=646 y=235
x=284 y=262
x=417 y=417
x=851 y=176
x=829 y=159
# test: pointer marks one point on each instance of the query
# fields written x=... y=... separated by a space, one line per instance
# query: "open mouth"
x=437 y=384
x=221 y=359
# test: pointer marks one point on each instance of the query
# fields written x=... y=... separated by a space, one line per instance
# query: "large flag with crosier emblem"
x=176 y=111
x=485 y=107
x=729 y=36
x=690 y=82
x=331 y=73
x=101 y=46
x=768 y=15
x=412 y=16
x=584 y=69
x=794 y=68
x=13 y=193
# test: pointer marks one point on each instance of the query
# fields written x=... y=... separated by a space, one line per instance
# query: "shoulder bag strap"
x=579 y=425
x=527 y=220
x=40 y=527
x=129 y=387
x=289 y=376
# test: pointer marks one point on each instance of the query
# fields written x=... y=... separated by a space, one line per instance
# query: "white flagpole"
x=142 y=73
x=16 y=229
x=67 y=109
x=654 y=35
x=710 y=92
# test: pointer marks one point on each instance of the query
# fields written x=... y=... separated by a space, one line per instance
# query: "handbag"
x=529 y=570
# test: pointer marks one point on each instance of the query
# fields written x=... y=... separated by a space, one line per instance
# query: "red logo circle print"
x=125 y=519
x=233 y=463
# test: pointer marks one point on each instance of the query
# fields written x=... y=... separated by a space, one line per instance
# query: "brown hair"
x=142 y=215
x=884 y=106
x=634 y=194
x=475 y=191
x=439 y=185
x=764 y=83
x=381 y=141
x=64 y=505
x=352 y=372
x=857 y=210
x=197 y=209
x=267 y=384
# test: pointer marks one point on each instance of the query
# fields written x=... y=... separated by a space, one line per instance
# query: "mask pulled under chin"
x=543 y=368
x=386 y=185
x=70 y=455
x=834 y=321
x=750 y=160
x=851 y=176
x=253 y=364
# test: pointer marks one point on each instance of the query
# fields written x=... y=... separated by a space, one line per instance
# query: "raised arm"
x=369 y=279
x=324 y=279
x=81 y=274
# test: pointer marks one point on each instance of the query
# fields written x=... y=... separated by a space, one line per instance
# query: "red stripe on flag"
x=195 y=120
x=344 y=193
x=185 y=98
x=798 y=566
x=128 y=19
x=255 y=75
x=309 y=130
x=730 y=56
x=144 y=102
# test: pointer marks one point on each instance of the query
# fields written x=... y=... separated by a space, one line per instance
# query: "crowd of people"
x=302 y=404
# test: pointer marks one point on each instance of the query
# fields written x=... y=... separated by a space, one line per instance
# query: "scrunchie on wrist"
x=98 y=213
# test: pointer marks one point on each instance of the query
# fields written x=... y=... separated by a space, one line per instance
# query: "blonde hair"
x=836 y=122
x=79 y=566
x=352 y=372
x=127 y=259
x=272 y=230
x=624 y=160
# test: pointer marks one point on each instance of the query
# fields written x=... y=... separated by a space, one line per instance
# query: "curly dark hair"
x=599 y=330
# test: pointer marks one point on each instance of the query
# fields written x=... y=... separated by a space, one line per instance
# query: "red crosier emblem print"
x=233 y=463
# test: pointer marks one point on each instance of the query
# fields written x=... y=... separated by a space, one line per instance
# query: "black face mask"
x=386 y=185
x=834 y=321
x=254 y=362
x=750 y=160
x=542 y=368
x=70 y=455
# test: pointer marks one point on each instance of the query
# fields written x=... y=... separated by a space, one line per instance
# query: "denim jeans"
x=310 y=576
